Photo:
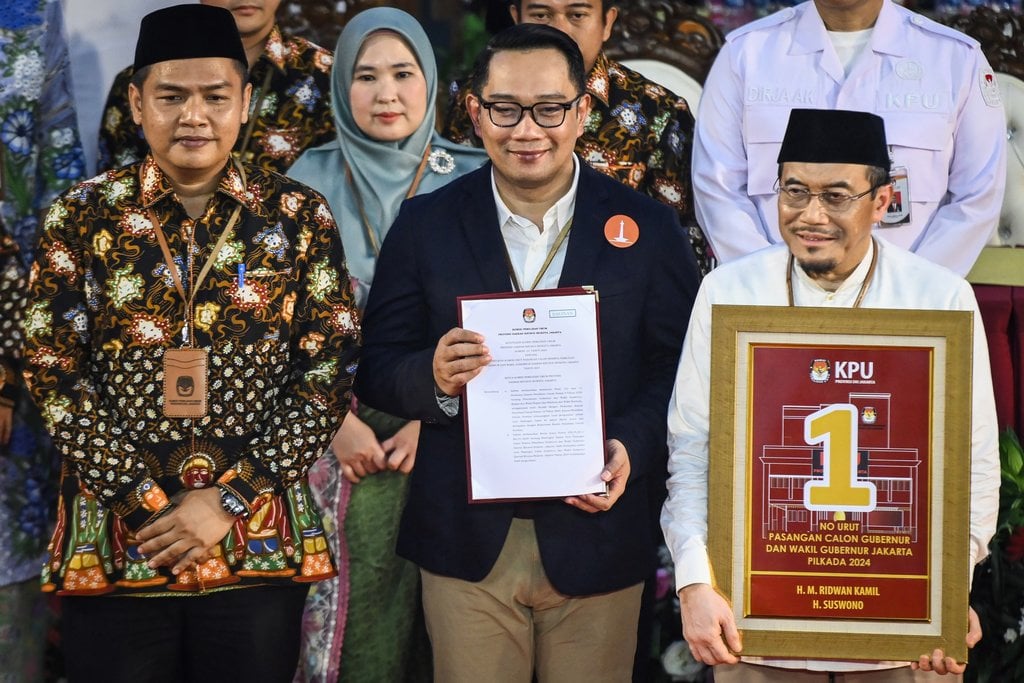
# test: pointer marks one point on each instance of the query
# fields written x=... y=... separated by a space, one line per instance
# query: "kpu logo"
x=820 y=370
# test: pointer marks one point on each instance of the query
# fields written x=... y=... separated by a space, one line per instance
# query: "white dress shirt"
x=528 y=245
x=926 y=80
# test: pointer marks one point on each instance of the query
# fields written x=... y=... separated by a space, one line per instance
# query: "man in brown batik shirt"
x=188 y=256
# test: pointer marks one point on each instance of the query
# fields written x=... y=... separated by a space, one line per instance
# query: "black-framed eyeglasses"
x=833 y=201
x=545 y=114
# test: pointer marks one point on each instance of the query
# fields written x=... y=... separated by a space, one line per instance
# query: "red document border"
x=831 y=638
x=561 y=291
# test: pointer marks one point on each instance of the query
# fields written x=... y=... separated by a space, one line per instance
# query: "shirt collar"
x=156 y=185
x=889 y=35
x=275 y=50
x=598 y=80
x=810 y=34
x=562 y=210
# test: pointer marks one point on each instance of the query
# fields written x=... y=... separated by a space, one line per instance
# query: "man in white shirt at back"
x=931 y=84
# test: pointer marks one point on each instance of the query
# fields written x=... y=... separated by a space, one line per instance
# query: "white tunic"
x=901 y=280
x=944 y=124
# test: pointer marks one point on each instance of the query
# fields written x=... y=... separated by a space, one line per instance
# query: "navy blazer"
x=448 y=243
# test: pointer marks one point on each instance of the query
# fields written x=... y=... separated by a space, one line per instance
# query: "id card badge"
x=185 y=387
x=898 y=212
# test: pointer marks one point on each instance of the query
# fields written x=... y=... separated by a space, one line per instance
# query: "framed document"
x=535 y=415
x=844 y=437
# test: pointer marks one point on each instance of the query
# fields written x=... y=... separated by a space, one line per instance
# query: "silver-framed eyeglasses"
x=833 y=201
x=545 y=114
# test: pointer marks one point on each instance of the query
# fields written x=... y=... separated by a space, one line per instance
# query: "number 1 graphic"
x=835 y=427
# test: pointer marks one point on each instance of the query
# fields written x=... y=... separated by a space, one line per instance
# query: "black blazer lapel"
x=587 y=237
x=479 y=218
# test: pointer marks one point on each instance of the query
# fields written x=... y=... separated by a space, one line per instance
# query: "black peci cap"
x=188 y=32
x=835 y=136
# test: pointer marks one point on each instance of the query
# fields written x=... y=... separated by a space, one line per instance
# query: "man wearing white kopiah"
x=939 y=98
x=833 y=185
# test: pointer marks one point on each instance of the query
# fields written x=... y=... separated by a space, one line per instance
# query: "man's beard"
x=813 y=268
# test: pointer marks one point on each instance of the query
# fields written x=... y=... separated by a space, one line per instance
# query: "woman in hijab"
x=383 y=88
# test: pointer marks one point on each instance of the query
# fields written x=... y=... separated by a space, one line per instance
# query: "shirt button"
x=830 y=297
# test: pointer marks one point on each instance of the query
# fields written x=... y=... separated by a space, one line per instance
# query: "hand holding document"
x=459 y=357
x=534 y=413
x=615 y=475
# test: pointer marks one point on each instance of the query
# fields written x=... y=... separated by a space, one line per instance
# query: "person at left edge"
x=290 y=109
x=40 y=157
x=549 y=588
x=185 y=546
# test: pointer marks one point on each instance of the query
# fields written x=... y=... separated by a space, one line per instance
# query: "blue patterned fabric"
x=41 y=155
x=39 y=143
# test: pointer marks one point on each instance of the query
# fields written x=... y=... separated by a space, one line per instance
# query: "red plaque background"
x=805 y=563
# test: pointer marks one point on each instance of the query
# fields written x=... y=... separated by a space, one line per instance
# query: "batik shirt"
x=277 y=317
x=290 y=109
x=40 y=151
x=638 y=132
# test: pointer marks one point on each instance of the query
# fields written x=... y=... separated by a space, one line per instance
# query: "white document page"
x=534 y=415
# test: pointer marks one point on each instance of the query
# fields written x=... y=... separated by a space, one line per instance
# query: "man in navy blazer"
x=549 y=588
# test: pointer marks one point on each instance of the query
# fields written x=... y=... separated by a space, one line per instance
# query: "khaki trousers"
x=756 y=673
x=514 y=623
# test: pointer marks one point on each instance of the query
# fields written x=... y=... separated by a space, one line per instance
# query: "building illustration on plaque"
x=791 y=463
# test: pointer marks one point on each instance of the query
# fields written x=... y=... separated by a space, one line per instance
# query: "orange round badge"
x=621 y=231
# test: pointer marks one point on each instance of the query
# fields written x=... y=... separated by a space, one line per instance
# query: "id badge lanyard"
x=185 y=368
x=898 y=211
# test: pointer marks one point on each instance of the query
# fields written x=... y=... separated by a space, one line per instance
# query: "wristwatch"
x=231 y=503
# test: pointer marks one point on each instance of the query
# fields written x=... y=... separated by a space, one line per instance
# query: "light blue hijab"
x=381 y=171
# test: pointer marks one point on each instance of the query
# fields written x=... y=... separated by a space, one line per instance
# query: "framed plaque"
x=844 y=437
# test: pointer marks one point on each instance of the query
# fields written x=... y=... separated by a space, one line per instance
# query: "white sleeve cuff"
x=693 y=566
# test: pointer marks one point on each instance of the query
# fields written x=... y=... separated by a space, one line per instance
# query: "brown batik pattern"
x=103 y=309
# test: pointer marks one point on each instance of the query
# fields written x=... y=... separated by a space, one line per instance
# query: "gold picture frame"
x=775 y=547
